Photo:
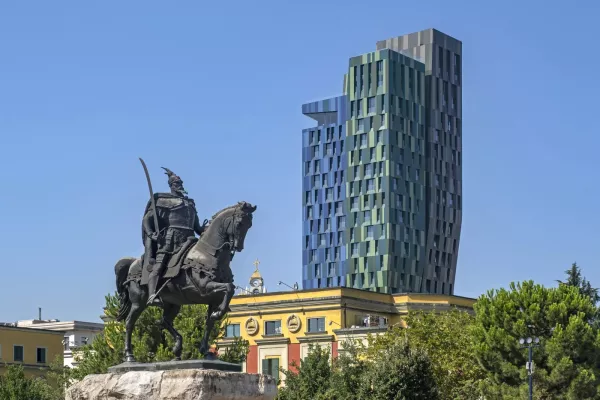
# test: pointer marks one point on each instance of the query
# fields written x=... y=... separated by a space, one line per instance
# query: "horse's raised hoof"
x=216 y=315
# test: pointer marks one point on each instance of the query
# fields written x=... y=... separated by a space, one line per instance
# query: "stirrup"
x=152 y=300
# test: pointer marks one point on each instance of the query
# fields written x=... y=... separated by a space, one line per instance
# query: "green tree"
x=399 y=372
x=150 y=342
x=348 y=371
x=575 y=278
x=236 y=352
x=446 y=337
x=57 y=378
x=567 y=358
x=395 y=372
x=14 y=385
x=311 y=379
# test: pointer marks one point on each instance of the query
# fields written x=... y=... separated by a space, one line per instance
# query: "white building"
x=76 y=334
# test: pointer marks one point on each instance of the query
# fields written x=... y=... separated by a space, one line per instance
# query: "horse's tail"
x=121 y=272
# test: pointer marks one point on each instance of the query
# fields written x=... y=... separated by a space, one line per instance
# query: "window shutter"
x=275 y=368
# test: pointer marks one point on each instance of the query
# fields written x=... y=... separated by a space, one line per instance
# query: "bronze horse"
x=204 y=278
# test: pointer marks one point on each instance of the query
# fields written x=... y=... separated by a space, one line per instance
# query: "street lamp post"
x=529 y=344
x=294 y=288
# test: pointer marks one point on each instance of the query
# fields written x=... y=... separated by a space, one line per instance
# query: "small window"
x=361 y=125
x=233 y=330
x=316 y=324
x=371 y=104
x=363 y=140
x=41 y=355
x=370 y=184
x=273 y=327
x=18 y=353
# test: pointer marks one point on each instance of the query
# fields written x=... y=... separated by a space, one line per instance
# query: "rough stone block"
x=184 y=384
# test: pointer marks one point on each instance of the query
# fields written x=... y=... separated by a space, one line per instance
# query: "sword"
x=156 y=228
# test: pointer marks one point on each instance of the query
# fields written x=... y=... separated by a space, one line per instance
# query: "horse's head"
x=232 y=224
x=241 y=223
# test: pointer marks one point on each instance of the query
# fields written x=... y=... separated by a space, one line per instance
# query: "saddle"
x=176 y=261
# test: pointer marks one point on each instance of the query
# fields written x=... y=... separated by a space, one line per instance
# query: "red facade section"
x=334 y=349
x=293 y=355
x=252 y=360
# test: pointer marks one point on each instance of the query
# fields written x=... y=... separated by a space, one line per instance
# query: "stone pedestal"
x=174 y=384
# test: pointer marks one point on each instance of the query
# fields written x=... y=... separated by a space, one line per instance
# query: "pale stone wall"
x=185 y=384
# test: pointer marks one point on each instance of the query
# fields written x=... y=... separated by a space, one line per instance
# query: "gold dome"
x=256 y=273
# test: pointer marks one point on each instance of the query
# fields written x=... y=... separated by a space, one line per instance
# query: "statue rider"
x=178 y=221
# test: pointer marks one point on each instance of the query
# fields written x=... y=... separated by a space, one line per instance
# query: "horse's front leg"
x=170 y=311
x=226 y=290
x=224 y=306
x=210 y=323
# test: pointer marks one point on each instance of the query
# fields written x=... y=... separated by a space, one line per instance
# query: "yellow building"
x=280 y=326
x=34 y=349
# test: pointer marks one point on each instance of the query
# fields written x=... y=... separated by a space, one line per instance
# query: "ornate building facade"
x=280 y=326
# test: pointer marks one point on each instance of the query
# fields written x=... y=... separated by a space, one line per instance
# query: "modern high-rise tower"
x=382 y=170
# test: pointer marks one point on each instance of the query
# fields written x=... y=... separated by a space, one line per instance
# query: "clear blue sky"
x=87 y=87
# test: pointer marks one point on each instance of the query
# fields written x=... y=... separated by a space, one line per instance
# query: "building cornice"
x=31 y=329
x=312 y=337
x=273 y=340
x=347 y=291
x=27 y=366
x=69 y=326
x=338 y=303
x=360 y=331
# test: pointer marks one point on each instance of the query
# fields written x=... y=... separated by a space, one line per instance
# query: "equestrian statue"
x=178 y=268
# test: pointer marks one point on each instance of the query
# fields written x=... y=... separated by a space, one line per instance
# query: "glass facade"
x=382 y=171
x=324 y=195
x=386 y=154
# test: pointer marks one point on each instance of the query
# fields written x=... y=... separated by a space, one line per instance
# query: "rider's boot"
x=152 y=285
